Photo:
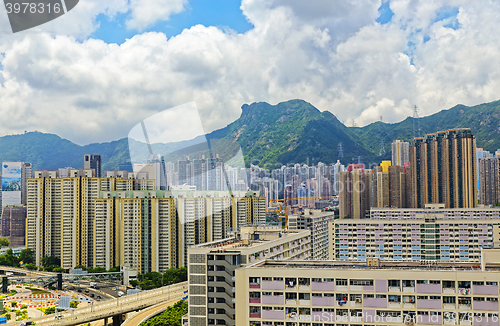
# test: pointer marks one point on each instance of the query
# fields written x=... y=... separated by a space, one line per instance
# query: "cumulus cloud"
x=333 y=54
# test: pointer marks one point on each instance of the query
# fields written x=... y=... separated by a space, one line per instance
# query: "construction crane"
x=283 y=213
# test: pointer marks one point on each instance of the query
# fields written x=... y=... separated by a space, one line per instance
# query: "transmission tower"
x=382 y=142
x=354 y=124
x=416 y=122
x=382 y=147
x=358 y=158
x=341 y=150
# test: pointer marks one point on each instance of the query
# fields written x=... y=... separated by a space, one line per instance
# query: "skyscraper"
x=443 y=169
x=93 y=162
x=14 y=176
x=354 y=192
x=400 y=152
x=489 y=181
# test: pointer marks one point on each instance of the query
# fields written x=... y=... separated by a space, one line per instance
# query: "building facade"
x=489 y=181
x=315 y=221
x=400 y=152
x=333 y=293
x=443 y=169
x=212 y=267
x=93 y=162
x=433 y=234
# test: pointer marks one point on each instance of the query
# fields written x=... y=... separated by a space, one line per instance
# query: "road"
x=113 y=307
x=137 y=319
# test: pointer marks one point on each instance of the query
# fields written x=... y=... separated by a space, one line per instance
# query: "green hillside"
x=289 y=132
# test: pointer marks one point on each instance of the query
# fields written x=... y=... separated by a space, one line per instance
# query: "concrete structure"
x=325 y=293
x=212 y=269
x=489 y=181
x=93 y=162
x=151 y=230
x=317 y=222
x=61 y=214
x=433 y=234
x=400 y=152
x=443 y=169
x=354 y=191
x=14 y=176
x=13 y=225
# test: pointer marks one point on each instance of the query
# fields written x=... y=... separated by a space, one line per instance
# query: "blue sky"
x=219 y=13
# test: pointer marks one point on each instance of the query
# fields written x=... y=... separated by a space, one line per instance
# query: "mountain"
x=483 y=119
x=289 y=132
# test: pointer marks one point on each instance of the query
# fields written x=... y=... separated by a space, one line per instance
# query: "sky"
x=95 y=73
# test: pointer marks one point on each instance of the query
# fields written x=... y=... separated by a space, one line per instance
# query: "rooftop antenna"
x=341 y=150
x=416 y=122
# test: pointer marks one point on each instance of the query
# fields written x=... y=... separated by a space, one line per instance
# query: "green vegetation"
x=153 y=280
x=31 y=267
x=50 y=263
x=27 y=256
x=13 y=304
x=73 y=304
x=4 y=242
x=24 y=306
x=289 y=132
x=170 y=317
x=8 y=259
x=38 y=291
x=12 y=292
x=48 y=310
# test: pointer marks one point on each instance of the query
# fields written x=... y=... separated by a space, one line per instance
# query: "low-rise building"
x=212 y=266
x=327 y=293
x=431 y=234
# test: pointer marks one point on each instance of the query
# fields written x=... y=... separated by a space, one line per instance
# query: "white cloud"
x=332 y=54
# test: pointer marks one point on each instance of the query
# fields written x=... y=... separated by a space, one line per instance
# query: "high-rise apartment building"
x=14 y=176
x=489 y=181
x=317 y=222
x=435 y=234
x=400 y=152
x=119 y=220
x=354 y=191
x=212 y=267
x=93 y=162
x=13 y=225
x=443 y=169
x=61 y=214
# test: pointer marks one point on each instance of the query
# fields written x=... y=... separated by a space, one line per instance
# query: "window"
x=395 y=298
x=341 y=282
x=394 y=283
x=449 y=300
x=362 y=282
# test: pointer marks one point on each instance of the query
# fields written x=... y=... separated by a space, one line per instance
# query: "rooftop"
x=384 y=265
x=251 y=236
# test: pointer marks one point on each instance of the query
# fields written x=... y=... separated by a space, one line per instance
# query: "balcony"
x=485 y=305
x=322 y=286
x=273 y=314
x=254 y=300
x=428 y=288
x=272 y=285
x=273 y=299
x=485 y=289
x=323 y=301
x=255 y=315
x=429 y=319
x=375 y=302
x=428 y=304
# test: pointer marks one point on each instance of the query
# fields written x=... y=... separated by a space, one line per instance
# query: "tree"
x=73 y=304
x=4 y=242
x=171 y=317
x=26 y=256
x=58 y=270
x=51 y=261
x=31 y=267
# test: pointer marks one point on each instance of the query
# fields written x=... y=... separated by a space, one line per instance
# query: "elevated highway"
x=113 y=308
